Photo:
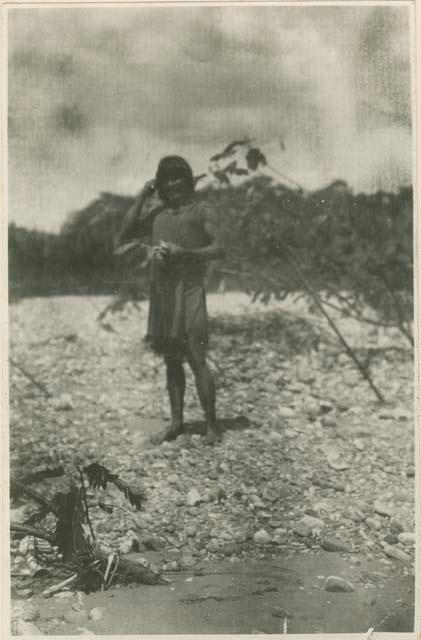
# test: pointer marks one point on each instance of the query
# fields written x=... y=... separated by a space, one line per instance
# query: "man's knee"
x=173 y=365
x=196 y=355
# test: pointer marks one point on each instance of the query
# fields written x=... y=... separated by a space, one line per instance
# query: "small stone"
x=213 y=546
x=391 y=538
x=96 y=613
x=396 y=554
x=331 y=544
x=63 y=403
x=230 y=549
x=396 y=526
x=125 y=547
x=286 y=412
x=373 y=523
x=362 y=506
x=302 y=530
x=29 y=613
x=326 y=406
x=256 y=500
x=218 y=494
x=407 y=538
x=24 y=628
x=383 y=509
x=193 y=498
x=104 y=526
x=355 y=514
x=312 y=409
x=336 y=584
x=329 y=421
x=153 y=543
x=338 y=463
x=262 y=537
x=191 y=531
x=410 y=472
x=315 y=524
x=343 y=405
x=76 y=617
x=188 y=561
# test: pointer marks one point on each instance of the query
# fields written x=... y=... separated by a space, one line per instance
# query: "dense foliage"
x=357 y=243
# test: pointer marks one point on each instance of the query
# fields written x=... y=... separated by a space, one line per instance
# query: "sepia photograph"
x=210 y=334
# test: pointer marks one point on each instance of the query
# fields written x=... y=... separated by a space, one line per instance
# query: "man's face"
x=175 y=189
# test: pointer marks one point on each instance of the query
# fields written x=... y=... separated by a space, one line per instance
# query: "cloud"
x=97 y=95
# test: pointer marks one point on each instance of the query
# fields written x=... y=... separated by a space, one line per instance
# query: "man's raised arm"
x=130 y=224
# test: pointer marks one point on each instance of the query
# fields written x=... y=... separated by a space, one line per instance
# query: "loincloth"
x=177 y=316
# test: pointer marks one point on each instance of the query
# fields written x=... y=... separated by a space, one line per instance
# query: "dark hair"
x=170 y=166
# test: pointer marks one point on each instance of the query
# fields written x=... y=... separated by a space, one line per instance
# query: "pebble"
x=262 y=537
x=286 y=412
x=338 y=463
x=331 y=544
x=25 y=611
x=191 y=531
x=63 y=403
x=193 y=498
x=24 y=628
x=256 y=501
x=329 y=421
x=76 y=617
x=96 y=613
x=373 y=523
x=343 y=405
x=302 y=530
x=397 y=554
x=153 y=543
x=407 y=538
x=391 y=538
x=125 y=547
x=396 y=525
x=63 y=594
x=313 y=523
x=336 y=584
x=383 y=509
x=231 y=548
x=355 y=514
x=188 y=562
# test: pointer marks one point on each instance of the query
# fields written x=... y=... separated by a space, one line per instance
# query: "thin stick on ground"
x=319 y=305
x=26 y=530
x=31 y=378
x=85 y=503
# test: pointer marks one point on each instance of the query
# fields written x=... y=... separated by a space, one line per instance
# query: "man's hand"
x=149 y=188
x=170 y=250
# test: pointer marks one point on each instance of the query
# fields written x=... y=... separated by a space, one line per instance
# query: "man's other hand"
x=170 y=250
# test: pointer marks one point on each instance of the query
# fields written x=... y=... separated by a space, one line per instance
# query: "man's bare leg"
x=206 y=390
x=176 y=385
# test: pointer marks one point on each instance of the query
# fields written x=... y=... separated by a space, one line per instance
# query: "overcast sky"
x=97 y=96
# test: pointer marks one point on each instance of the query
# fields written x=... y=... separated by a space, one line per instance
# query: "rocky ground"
x=310 y=462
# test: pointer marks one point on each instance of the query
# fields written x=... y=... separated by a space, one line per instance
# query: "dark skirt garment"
x=177 y=314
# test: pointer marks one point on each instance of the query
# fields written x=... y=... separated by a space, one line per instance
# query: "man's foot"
x=171 y=433
x=213 y=435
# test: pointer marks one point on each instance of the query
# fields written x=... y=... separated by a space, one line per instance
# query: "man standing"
x=184 y=237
